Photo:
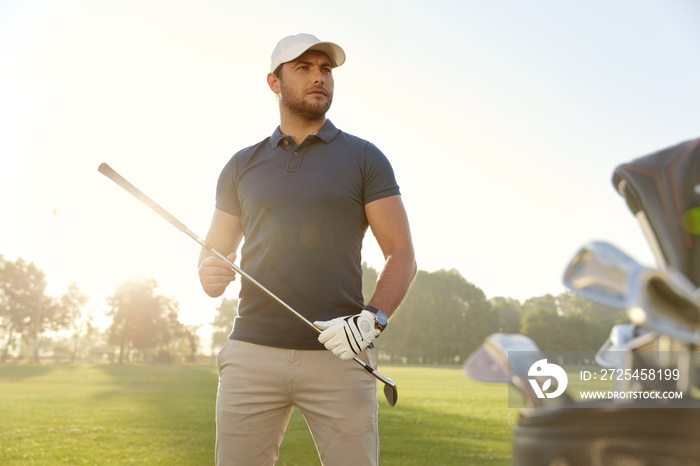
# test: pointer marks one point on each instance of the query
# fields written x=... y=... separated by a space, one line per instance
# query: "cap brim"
x=335 y=53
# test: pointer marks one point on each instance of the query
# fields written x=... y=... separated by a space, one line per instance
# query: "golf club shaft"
x=134 y=191
x=237 y=269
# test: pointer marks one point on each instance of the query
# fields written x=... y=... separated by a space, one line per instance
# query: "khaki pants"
x=259 y=387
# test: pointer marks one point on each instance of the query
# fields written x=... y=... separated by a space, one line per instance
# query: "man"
x=303 y=199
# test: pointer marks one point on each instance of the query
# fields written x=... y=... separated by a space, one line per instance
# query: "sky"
x=503 y=120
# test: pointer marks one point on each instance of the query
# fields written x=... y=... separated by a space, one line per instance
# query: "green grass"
x=445 y=418
x=164 y=414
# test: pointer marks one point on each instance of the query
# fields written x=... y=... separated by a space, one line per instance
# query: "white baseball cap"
x=292 y=47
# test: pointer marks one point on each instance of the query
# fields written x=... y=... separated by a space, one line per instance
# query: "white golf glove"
x=347 y=336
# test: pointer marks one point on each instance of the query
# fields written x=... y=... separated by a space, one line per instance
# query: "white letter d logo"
x=542 y=369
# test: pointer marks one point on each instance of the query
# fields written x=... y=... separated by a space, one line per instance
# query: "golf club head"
x=484 y=366
x=600 y=272
x=664 y=301
x=508 y=358
x=489 y=363
x=391 y=393
x=623 y=338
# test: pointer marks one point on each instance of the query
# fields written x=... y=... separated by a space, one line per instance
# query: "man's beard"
x=301 y=108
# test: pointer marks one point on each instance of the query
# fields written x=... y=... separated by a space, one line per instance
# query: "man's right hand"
x=215 y=274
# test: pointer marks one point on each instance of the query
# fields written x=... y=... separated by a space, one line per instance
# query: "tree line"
x=443 y=319
x=144 y=326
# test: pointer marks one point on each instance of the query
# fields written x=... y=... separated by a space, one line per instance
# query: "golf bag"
x=603 y=434
x=663 y=192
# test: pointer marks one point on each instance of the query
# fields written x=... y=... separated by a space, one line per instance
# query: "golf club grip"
x=109 y=172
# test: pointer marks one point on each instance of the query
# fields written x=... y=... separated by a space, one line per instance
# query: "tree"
x=567 y=323
x=24 y=308
x=70 y=315
x=141 y=319
x=539 y=303
x=507 y=313
x=605 y=316
x=192 y=341
x=543 y=325
x=582 y=333
x=223 y=322
x=369 y=281
x=442 y=320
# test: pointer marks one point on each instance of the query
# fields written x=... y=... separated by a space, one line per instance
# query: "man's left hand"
x=348 y=336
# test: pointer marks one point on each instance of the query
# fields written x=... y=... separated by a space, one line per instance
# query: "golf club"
x=600 y=272
x=659 y=300
x=613 y=353
x=662 y=300
x=390 y=390
x=508 y=358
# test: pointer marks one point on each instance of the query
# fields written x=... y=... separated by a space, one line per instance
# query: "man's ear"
x=274 y=83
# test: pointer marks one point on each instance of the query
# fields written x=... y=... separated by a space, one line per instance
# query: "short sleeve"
x=379 y=179
x=226 y=196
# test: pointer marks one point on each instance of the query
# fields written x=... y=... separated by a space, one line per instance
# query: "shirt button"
x=286 y=143
x=296 y=153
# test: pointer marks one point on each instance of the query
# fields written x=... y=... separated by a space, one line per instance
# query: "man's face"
x=306 y=85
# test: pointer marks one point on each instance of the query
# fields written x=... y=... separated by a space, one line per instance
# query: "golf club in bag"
x=390 y=389
x=663 y=305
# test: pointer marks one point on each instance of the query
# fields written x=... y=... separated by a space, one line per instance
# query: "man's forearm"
x=394 y=281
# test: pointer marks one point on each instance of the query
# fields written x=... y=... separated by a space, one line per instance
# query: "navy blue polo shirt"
x=303 y=217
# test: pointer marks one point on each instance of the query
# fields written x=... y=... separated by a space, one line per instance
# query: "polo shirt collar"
x=327 y=132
